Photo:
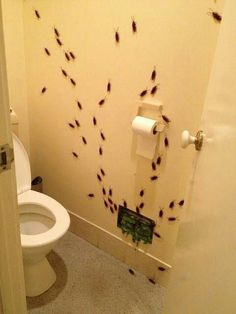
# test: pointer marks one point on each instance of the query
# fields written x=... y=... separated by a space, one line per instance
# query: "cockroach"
x=102 y=136
x=56 y=32
x=141 y=193
x=154 y=90
x=153 y=178
x=134 y=26
x=117 y=36
x=110 y=201
x=90 y=195
x=100 y=151
x=216 y=16
x=84 y=140
x=72 y=55
x=154 y=74
x=110 y=192
x=75 y=155
x=111 y=209
x=67 y=56
x=172 y=204
x=152 y=281
x=105 y=203
x=161 y=213
x=102 y=101
x=158 y=162
x=103 y=191
x=141 y=205
x=71 y=125
x=64 y=72
x=157 y=235
x=154 y=131
x=47 y=51
x=181 y=203
x=79 y=105
x=172 y=218
x=166 y=119
x=125 y=203
x=153 y=166
x=94 y=121
x=109 y=87
x=137 y=210
x=103 y=173
x=72 y=81
x=131 y=271
x=166 y=142
x=59 y=41
x=161 y=268
x=115 y=206
x=43 y=90
x=77 y=123
x=37 y=14
x=143 y=93
x=99 y=177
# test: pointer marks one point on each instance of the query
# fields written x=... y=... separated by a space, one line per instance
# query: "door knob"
x=187 y=139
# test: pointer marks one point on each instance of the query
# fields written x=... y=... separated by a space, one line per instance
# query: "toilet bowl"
x=43 y=221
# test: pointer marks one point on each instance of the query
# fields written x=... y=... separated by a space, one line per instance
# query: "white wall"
x=204 y=275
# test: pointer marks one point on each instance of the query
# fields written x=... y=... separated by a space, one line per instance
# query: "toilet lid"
x=22 y=166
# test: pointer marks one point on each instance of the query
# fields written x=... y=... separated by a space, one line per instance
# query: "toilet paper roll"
x=146 y=141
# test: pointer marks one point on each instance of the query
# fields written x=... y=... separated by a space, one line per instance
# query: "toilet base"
x=39 y=277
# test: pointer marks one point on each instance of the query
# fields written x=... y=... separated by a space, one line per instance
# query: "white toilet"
x=43 y=221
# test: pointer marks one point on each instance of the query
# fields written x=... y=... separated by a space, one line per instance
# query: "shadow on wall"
x=47 y=297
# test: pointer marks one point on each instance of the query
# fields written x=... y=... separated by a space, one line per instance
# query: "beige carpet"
x=90 y=281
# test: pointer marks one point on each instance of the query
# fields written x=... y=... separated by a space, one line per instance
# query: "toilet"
x=43 y=221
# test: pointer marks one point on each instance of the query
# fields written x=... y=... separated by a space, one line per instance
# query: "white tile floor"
x=90 y=281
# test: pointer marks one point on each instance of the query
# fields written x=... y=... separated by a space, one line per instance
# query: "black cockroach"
x=172 y=218
x=67 y=56
x=75 y=154
x=141 y=205
x=94 y=121
x=72 y=81
x=166 y=142
x=99 y=177
x=103 y=191
x=102 y=101
x=77 y=123
x=154 y=131
x=157 y=234
x=43 y=90
x=72 y=55
x=90 y=195
x=117 y=36
x=79 y=105
x=154 y=90
x=71 y=125
x=141 y=193
x=125 y=203
x=59 y=41
x=131 y=271
x=102 y=136
x=47 y=51
x=158 y=162
x=216 y=16
x=111 y=209
x=166 y=119
x=64 y=72
x=103 y=173
x=161 y=213
x=37 y=14
x=153 y=178
x=143 y=93
x=56 y=32
x=84 y=140
x=134 y=26
x=154 y=74
x=105 y=203
x=110 y=192
x=153 y=166
x=181 y=203
x=137 y=210
x=100 y=151
x=161 y=268
x=109 y=87
x=115 y=206
x=110 y=201
x=152 y=281
x=172 y=204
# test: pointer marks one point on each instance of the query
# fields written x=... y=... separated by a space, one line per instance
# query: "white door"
x=204 y=270
x=12 y=296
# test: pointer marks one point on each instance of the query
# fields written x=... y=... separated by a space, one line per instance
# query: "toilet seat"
x=61 y=218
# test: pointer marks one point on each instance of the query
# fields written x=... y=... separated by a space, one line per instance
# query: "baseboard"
x=133 y=256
